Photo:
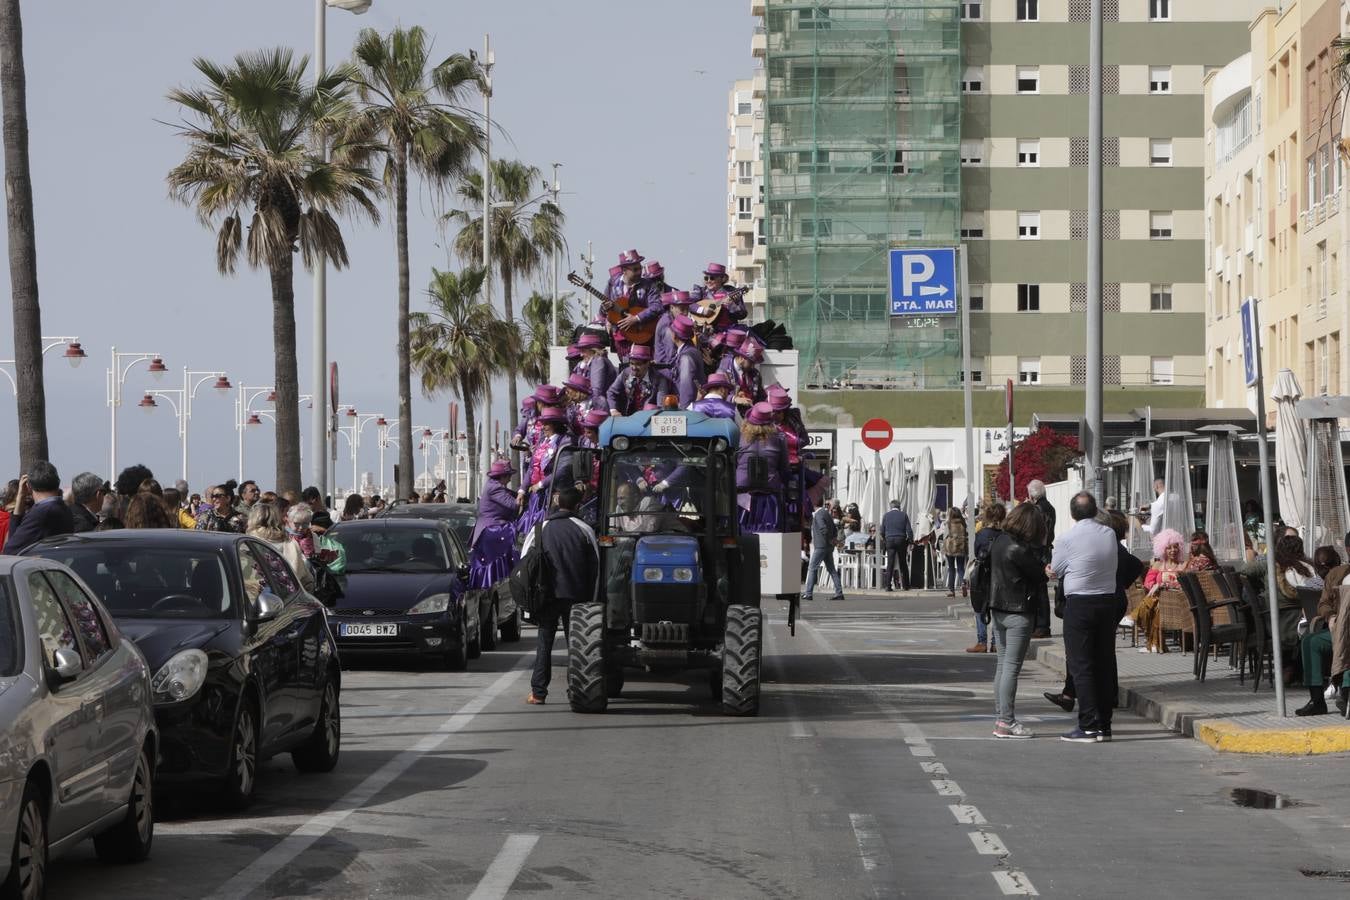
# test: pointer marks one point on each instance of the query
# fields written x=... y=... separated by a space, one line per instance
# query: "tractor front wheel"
x=742 y=646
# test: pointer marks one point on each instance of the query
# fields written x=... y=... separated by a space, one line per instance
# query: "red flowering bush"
x=1044 y=455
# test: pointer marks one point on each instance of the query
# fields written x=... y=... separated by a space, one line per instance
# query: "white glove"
x=661 y=487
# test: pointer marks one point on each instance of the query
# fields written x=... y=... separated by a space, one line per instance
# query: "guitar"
x=617 y=309
x=705 y=312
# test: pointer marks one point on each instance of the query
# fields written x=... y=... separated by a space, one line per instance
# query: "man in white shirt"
x=1156 y=508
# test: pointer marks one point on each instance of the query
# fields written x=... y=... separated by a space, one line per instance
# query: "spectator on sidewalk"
x=1017 y=577
x=991 y=526
x=896 y=535
x=1317 y=644
x=954 y=548
x=574 y=562
x=823 y=535
x=1036 y=495
x=86 y=494
x=39 y=510
x=1085 y=559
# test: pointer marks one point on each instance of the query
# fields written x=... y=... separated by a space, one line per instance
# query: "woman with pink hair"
x=1169 y=561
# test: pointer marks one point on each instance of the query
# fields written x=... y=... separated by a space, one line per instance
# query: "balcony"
x=757 y=7
x=759 y=85
x=759 y=43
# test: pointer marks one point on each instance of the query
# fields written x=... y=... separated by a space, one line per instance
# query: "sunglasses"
x=220 y=496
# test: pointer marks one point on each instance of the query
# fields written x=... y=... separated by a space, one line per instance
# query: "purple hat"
x=630 y=258
x=717 y=380
x=641 y=353
x=552 y=414
x=682 y=327
x=780 y=400
x=528 y=401
x=752 y=351
x=595 y=418
x=590 y=339
x=499 y=468
x=760 y=414
x=654 y=270
x=675 y=298
x=573 y=351
x=615 y=271
x=715 y=269
x=547 y=394
x=578 y=382
x=734 y=339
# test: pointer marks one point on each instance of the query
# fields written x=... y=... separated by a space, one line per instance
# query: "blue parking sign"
x=1250 y=341
x=923 y=282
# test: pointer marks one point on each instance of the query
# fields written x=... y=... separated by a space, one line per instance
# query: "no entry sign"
x=877 y=434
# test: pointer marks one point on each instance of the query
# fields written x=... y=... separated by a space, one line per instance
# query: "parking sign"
x=923 y=282
x=1250 y=342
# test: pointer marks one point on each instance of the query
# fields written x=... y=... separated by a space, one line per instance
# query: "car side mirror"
x=269 y=607
x=66 y=664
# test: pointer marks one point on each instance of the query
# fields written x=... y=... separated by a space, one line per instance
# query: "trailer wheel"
x=741 y=652
x=586 y=658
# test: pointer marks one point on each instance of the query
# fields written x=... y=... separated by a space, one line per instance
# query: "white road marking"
x=1015 y=883
x=987 y=844
x=967 y=815
x=868 y=837
x=948 y=788
x=302 y=838
x=934 y=768
x=924 y=750
x=499 y=877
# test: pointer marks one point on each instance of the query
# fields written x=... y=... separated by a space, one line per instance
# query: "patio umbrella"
x=874 y=502
x=897 y=478
x=924 y=486
x=1291 y=450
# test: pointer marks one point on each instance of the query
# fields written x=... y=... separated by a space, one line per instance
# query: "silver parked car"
x=77 y=730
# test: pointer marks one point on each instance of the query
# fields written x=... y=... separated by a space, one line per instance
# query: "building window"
x=745 y=170
x=813 y=18
x=1027 y=11
x=972 y=226
x=743 y=208
x=1028 y=79
x=1160 y=370
x=1160 y=226
x=973 y=80
x=1160 y=298
x=972 y=153
x=1029 y=370
x=971 y=10
x=1028 y=298
x=1160 y=152
x=1159 y=10
x=1028 y=226
x=976 y=376
x=817 y=228
x=1160 y=79
x=1028 y=154
x=743 y=109
x=977 y=298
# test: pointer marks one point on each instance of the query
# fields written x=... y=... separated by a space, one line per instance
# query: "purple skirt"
x=762 y=514
x=536 y=510
x=493 y=557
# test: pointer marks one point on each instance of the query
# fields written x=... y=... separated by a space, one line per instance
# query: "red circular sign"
x=877 y=434
x=1008 y=401
x=333 y=386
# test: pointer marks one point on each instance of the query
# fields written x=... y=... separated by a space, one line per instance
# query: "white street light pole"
x=182 y=409
x=485 y=63
x=553 y=333
x=358 y=423
x=117 y=376
x=384 y=440
x=74 y=355
x=242 y=412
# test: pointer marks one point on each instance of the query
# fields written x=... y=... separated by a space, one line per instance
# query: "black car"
x=460 y=516
x=245 y=666
x=406 y=586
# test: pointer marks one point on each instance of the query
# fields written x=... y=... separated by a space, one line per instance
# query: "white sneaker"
x=1145 y=649
x=1127 y=622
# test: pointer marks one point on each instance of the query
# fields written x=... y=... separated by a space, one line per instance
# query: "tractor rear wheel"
x=586 y=658
x=741 y=652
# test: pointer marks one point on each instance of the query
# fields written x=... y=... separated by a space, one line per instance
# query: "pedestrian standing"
x=991 y=526
x=221 y=515
x=39 y=510
x=266 y=524
x=1085 y=559
x=86 y=494
x=823 y=535
x=1036 y=494
x=897 y=533
x=954 y=548
x=1017 y=578
x=573 y=560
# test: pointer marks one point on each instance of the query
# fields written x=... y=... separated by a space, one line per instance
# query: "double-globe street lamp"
x=122 y=364
x=245 y=416
x=357 y=423
x=74 y=355
x=182 y=406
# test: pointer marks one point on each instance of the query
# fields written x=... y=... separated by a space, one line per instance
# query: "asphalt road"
x=870 y=772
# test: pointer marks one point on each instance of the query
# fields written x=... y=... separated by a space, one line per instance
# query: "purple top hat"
x=552 y=414
x=590 y=339
x=675 y=298
x=734 y=339
x=717 y=380
x=630 y=258
x=528 y=401
x=641 y=353
x=780 y=401
x=573 y=351
x=654 y=270
x=752 y=351
x=547 y=394
x=682 y=327
x=760 y=414
x=578 y=382
x=595 y=418
x=715 y=269
x=500 y=468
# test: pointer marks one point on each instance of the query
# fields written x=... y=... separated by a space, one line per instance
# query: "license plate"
x=372 y=629
x=669 y=426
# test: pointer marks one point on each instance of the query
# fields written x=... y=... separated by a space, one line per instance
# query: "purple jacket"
x=663 y=346
x=774 y=451
x=601 y=372
x=496 y=506
x=523 y=427
x=627 y=394
x=717 y=409
x=748 y=381
x=648 y=296
x=688 y=374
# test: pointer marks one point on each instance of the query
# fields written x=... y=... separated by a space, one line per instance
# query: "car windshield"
x=460 y=518
x=380 y=549
x=11 y=653
x=138 y=582
x=634 y=506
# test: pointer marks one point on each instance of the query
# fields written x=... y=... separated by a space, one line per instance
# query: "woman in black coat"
x=1017 y=574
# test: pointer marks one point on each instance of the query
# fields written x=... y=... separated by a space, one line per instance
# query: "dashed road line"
x=967 y=815
x=987 y=844
x=868 y=837
x=1015 y=883
x=501 y=874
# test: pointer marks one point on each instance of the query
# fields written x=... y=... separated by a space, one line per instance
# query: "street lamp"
x=384 y=440
x=318 y=437
x=358 y=423
x=244 y=415
x=553 y=333
x=74 y=355
x=182 y=409
x=116 y=377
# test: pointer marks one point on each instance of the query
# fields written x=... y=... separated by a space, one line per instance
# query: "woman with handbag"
x=264 y=523
x=991 y=527
x=1017 y=581
x=954 y=548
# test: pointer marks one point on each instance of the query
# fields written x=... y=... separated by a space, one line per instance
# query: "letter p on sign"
x=917 y=270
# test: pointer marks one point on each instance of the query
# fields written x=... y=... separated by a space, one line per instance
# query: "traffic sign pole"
x=968 y=400
x=1008 y=410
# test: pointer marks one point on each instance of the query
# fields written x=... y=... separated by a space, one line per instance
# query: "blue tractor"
x=679 y=583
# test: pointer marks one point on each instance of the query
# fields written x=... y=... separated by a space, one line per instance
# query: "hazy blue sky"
x=608 y=88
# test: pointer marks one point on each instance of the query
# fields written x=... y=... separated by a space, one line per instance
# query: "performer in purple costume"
x=676 y=304
x=492 y=548
x=577 y=393
x=537 y=487
x=687 y=369
x=598 y=369
x=714 y=402
x=749 y=384
x=637 y=384
x=716 y=287
x=762 y=507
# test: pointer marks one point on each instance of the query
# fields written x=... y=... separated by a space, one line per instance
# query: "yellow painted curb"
x=1231 y=738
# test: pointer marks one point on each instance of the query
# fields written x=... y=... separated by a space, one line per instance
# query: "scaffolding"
x=862 y=154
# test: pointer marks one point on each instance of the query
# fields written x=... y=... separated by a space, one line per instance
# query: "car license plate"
x=371 y=629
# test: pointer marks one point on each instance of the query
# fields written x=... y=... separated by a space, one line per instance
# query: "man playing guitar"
x=643 y=301
x=716 y=288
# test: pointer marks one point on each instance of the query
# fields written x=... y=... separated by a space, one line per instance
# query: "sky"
x=629 y=95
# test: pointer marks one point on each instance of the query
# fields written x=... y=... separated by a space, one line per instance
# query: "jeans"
x=1013 y=631
x=981 y=630
x=821 y=555
x=1090 y=622
x=956 y=572
x=546 y=622
x=897 y=564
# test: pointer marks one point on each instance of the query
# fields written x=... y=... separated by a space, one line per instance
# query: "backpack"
x=532 y=579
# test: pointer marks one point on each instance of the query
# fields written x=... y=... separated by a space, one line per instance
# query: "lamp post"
x=485 y=64
x=244 y=415
x=117 y=376
x=553 y=333
x=182 y=408
x=74 y=355
x=358 y=422
x=318 y=438
x=384 y=440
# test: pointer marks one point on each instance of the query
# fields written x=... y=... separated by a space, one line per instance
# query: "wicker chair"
x=1174 y=614
x=1216 y=617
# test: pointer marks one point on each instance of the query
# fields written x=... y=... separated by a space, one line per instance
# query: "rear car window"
x=54 y=626
x=11 y=636
x=149 y=582
x=382 y=549
x=87 y=619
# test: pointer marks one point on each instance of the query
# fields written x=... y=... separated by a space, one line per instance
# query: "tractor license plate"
x=669 y=426
x=361 y=629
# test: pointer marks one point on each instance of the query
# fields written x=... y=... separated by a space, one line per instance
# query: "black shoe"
x=1063 y=702
x=1083 y=736
x=1312 y=708
x=1340 y=700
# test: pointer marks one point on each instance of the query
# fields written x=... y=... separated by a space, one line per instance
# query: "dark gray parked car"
x=77 y=730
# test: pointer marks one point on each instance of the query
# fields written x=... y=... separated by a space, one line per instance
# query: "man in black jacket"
x=39 y=511
x=87 y=492
x=573 y=557
x=1036 y=493
x=896 y=535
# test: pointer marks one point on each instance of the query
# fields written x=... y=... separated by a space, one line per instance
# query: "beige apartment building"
x=745 y=189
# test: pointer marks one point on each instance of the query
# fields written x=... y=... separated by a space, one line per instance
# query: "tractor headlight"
x=436 y=603
x=683 y=573
x=180 y=677
x=620 y=443
x=652 y=574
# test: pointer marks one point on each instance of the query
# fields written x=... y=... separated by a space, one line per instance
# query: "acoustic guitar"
x=617 y=310
x=705 y=312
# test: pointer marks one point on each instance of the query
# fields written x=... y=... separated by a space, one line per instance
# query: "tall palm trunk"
x=32 y=398
x=471 y=430
x=286 y=379
x=513 y=403
x=405 y=423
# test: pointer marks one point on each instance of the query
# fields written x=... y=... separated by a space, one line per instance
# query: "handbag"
x=1059 y=599
x=327 y=586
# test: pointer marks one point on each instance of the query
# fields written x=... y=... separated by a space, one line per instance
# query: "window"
x=87 y=619
x=1160 y=152
x=745 y=170
x=1026 y=11
x=1325 y=156
x=1028 y=298
x=977 y=298
x=1311 y=198
x=284 y=583
x=1028 y=79
x=1160 y=79
x=742 y=109
x=976 y=376
x=1029 y=370
x=973 y=80
x=1028 y=154
x=972 y=153
x=816 y=18
x=972 y=226
x=1160 y=370
x=743 y=208
x=54 y=627
x=817 y=228
x=971 y=10
x=1159 y=10
x=1028 y=226
x=1160 y=298
x=254 y=581
x=1160 y=226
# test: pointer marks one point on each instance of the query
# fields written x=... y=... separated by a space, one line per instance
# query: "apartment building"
x=745 y=189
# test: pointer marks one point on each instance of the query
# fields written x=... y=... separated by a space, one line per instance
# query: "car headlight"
x=180 y=677
x=652 y=574
x=436 y=603
x=683 y=573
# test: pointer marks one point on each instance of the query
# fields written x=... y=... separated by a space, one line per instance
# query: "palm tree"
x=413 y=109
x=31 y=399
x=525 y=231
x=459 y=345
x=250 y=134
x=534 y=334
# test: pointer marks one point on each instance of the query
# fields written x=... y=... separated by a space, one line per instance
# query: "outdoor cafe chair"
x=1258 y=645
x=1214 y=612
x=1308 y=598
x=1174 y=615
